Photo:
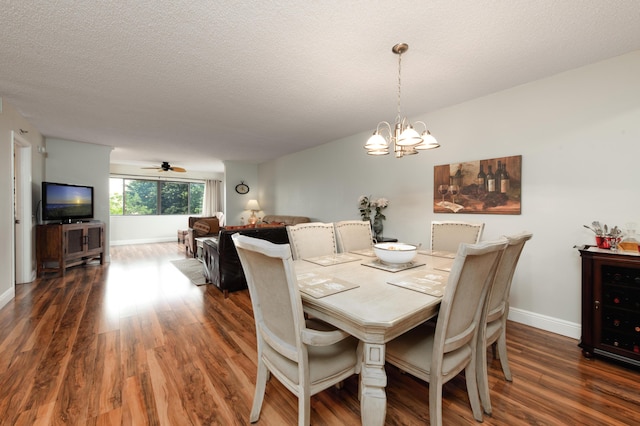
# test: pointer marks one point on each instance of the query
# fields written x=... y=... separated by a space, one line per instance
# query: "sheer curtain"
x=212 y=200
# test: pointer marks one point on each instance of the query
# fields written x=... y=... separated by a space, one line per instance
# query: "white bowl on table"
x=395 y=253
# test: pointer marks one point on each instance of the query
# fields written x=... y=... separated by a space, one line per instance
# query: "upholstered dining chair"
x=311 y=239
x=436 y=354
x=495 y=323
x=447 y=235
x=353 y=235
x=306 y=356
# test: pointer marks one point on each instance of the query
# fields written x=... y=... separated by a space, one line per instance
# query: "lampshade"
x=253 y=205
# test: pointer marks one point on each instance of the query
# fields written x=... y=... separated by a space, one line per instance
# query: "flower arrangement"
x=365 y=208
x=367 y=204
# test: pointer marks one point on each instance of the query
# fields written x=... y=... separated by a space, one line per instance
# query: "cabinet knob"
x=596 y=305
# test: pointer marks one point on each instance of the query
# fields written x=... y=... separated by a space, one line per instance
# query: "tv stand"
x=61 y=245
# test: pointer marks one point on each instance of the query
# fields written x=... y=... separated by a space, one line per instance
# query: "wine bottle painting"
x=491 y=186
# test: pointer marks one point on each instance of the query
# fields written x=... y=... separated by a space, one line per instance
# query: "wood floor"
x=135 y=343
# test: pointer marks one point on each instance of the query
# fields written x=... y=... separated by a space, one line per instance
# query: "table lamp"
x=254 y=207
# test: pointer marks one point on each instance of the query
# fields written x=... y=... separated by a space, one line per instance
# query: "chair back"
x=311 y=240
x=464 y=301
x=353 y=235
x=448 y=235
x=276 y=301
x=499 y=296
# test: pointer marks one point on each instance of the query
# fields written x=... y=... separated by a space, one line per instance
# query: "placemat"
x=436 y=253
x=392 y=267
x=319 y=286
x=332 y=259
x=430 y=283
x=364 y=252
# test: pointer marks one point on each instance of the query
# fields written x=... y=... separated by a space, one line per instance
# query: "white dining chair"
x=353 y=235
x=495 y=323
x=447 y=235
x=436 y=354
x=306 y=356
x=313 y=239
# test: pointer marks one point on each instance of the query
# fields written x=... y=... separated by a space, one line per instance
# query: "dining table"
x=375 y=302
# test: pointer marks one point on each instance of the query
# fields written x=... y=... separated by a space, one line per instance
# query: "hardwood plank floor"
x=135 y=343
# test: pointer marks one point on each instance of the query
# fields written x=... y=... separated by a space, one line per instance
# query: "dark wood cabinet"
x=611 y=305
x=59 y=246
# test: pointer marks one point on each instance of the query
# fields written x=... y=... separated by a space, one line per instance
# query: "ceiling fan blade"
x=166 y=167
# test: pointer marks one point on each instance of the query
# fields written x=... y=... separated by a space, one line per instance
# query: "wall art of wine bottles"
x=490 y=186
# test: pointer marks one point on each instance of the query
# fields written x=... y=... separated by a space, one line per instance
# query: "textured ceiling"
x=197 y=82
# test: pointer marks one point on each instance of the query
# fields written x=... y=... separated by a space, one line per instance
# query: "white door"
x=23 y=230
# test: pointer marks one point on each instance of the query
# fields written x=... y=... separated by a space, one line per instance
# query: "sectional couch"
x=222 y=265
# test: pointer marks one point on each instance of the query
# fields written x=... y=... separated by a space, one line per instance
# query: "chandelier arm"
x=415 y=123
x=386 y=126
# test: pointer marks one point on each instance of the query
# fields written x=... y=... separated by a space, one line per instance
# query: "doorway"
x=24 y=271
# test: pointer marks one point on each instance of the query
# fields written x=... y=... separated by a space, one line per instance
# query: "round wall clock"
x=242 y=188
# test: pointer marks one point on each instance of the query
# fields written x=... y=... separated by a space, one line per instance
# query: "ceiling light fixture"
x=402 y=137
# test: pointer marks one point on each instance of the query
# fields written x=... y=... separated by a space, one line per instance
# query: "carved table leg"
x=373 y=379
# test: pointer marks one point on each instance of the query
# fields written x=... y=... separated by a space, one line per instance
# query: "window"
x=134 y=197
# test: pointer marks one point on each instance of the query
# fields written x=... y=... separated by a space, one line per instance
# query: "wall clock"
x=242 y=188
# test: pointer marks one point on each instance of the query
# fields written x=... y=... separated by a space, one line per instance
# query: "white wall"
x=146 y=229
x=12 y=121
x=82 y=164
x=234 y=203
x=578 y=134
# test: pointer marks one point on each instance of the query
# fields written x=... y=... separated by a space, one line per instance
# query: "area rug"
x=192 y=268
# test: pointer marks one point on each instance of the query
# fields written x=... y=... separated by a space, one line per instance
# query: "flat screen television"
x=66 y=203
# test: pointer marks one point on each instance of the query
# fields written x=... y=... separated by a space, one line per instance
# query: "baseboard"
x=543 y=322
x=143 y=241
x=7 y=296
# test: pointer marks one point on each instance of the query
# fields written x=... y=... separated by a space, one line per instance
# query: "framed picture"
x=490 y=186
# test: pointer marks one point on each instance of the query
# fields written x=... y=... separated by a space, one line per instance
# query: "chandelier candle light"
x=254 y=207
x=402 y=137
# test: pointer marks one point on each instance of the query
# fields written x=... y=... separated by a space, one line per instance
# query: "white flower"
x=382 y=203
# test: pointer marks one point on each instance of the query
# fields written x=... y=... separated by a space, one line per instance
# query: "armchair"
x=200 y=227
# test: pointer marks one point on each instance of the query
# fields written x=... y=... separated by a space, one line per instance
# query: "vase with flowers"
x=367 y=205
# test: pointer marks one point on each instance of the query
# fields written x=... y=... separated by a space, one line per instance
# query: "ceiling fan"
x=166 y=167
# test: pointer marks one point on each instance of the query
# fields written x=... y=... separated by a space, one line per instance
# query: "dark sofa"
x=221 y=262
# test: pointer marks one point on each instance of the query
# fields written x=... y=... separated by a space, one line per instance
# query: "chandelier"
x=401 y=137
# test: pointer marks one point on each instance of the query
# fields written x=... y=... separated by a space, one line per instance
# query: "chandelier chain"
x=399 y=117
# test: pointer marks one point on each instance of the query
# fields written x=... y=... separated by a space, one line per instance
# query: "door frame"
x=23 y=262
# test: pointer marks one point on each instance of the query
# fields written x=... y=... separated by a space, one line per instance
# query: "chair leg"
x=435 y=401
x=258 y=396
x=504 y=361
x=472 y=390
x=482 y=379
x=304 y=408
